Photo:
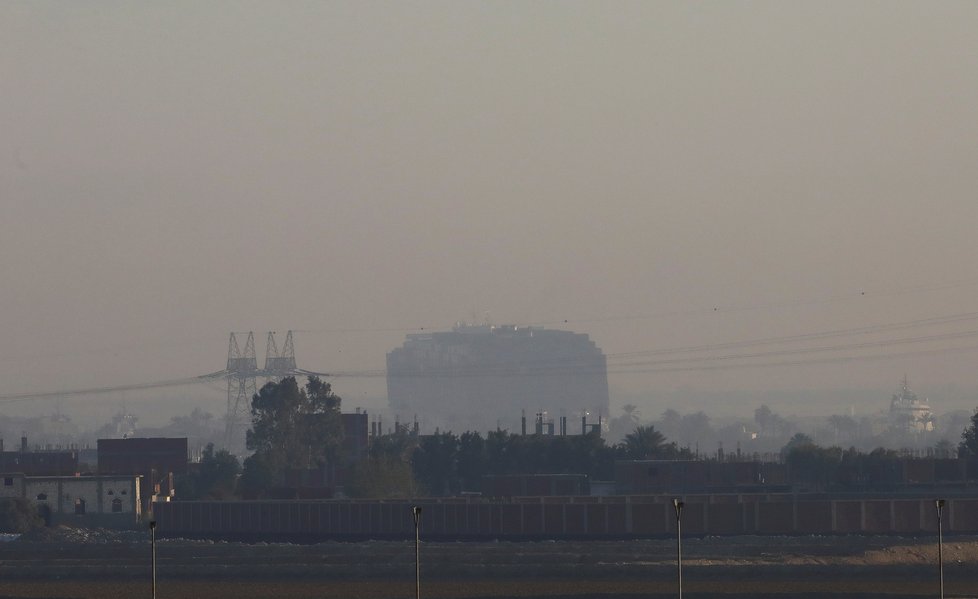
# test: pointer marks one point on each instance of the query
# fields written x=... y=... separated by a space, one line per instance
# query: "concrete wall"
x=696 y=476
x=12 y=485
x=573 y=517
x=510 y=485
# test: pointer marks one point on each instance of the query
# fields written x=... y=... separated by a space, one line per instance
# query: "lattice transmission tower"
x=279 y=365
x=242 y=373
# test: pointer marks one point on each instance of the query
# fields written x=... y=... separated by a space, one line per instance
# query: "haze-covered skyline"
x=656 y=175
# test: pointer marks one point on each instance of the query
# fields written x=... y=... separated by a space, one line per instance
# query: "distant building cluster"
x=484 y=377
x=131 y=475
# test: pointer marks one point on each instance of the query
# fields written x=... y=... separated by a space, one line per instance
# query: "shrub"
x=17 y=515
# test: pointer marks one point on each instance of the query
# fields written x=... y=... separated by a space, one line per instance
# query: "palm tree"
x=643 y=443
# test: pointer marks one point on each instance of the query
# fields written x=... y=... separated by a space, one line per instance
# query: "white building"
x=106 y=501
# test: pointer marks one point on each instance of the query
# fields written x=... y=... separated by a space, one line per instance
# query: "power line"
x=665 y=359
x=545 y=366
x=809 y=350
x=808 y=362
x=15 y=397
x=953 y=318
x=577 y=366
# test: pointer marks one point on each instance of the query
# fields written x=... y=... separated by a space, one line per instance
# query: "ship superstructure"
x=909 y=413
x=483 y=377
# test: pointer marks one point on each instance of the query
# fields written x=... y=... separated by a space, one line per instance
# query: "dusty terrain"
x=76 y=563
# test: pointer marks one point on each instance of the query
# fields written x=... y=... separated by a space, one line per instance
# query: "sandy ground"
x=552 y=589
x=80 y=564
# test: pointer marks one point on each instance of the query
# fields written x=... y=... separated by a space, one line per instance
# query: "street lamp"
x=416 y=512
x=679 y=505
x=939 y=504
x=152 y=543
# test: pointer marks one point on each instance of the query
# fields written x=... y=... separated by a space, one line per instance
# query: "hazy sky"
x=659 y=175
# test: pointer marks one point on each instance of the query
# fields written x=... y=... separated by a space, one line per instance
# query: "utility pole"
x=416 y=511
x=939 y=504
x=152 y=543
x=679 y=505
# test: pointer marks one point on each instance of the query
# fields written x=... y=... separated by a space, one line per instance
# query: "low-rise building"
x=106 y=501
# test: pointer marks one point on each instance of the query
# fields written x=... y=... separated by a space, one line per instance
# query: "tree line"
x=296 y=428
x=447 y=464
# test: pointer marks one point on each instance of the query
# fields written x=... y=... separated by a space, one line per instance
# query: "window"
x=80 y=507
x=122 y=492
x=116 y=505
x=111 y=492
x=42 y=496
x=8 y=481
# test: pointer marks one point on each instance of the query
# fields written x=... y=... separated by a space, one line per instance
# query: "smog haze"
x=659 y=176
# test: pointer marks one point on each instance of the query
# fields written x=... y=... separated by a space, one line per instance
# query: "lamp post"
x=939 y=504
x=416 y=512
x=152 y=543
x=679 y=505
